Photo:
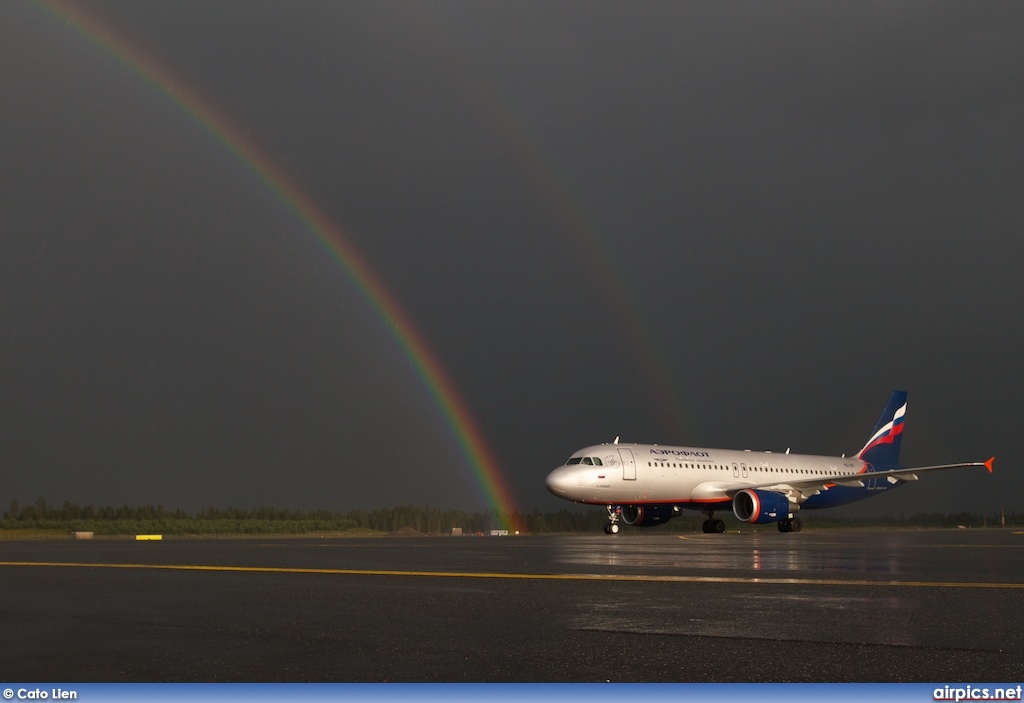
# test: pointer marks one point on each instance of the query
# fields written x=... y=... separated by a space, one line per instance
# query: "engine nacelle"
x=646 y=515
x=758 y=507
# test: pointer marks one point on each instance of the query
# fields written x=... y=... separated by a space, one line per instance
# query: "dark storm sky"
x=722 y=224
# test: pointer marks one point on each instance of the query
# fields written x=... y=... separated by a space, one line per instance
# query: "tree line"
x=127 y=519
x=147 y=519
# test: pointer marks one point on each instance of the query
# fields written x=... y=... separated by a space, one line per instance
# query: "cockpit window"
x=588 y=460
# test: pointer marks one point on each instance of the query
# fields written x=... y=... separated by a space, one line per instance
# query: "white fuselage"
x=694 y=477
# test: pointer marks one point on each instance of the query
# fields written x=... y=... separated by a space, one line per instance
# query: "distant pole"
x=1002 y=518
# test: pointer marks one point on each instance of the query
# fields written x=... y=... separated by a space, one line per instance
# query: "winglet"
x=988 y=464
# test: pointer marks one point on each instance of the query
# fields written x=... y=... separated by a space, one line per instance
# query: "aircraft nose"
x=558 y=481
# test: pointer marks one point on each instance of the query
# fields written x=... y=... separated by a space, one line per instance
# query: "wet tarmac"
x=829 y=605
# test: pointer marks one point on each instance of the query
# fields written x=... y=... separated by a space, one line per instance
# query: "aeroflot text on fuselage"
x=679 y=452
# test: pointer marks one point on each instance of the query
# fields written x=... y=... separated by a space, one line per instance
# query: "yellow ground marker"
x=150 y=538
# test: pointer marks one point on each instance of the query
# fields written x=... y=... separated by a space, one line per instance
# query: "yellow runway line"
x=648 y=578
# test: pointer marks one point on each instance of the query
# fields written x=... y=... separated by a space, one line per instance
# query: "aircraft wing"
x=800 y=490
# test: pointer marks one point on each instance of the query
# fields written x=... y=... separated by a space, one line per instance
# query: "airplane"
x=643 y=485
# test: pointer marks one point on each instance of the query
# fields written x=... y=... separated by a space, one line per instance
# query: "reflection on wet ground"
x=933 y=555
x=934 y=588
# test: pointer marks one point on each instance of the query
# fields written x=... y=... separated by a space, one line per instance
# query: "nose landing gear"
x=612 y=528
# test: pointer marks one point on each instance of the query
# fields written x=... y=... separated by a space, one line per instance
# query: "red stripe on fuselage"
x=670 y=501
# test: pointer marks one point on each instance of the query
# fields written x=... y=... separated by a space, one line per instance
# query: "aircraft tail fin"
x=883 y=447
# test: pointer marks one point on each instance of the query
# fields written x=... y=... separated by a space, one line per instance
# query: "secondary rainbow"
x=468 y=434
x=575 y=223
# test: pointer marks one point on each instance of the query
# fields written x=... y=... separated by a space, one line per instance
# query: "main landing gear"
x=612 y=528
x=792 y=524
x=713 y=526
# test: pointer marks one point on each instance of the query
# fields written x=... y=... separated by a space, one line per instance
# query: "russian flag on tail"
x=883 y=448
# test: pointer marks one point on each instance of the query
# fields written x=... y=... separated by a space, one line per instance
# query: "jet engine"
x=758 y=507
x=646 y=515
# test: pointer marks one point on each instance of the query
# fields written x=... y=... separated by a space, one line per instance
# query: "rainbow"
x=468 y=434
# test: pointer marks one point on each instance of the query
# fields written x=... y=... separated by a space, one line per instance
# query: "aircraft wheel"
x=717 y=526
x=706 y=527
x=796 y=525
x=612 y=529
x=785 y=526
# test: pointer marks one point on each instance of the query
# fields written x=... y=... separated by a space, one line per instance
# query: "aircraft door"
x=628 y=464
